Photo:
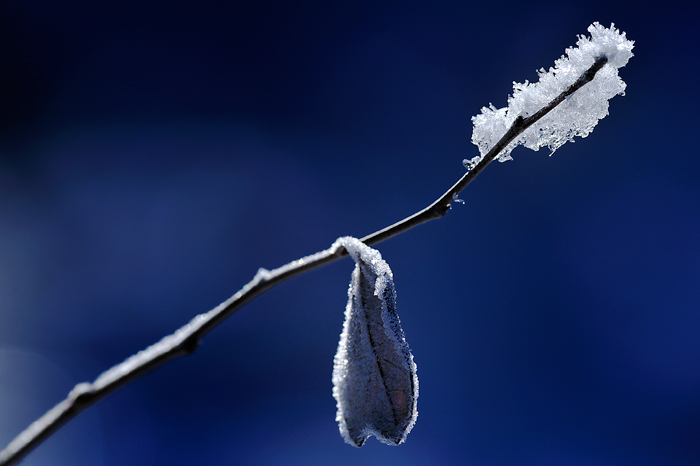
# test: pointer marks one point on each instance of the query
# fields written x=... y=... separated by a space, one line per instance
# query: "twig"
x=186 y=339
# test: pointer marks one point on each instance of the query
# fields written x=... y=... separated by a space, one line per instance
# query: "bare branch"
x=186 y=339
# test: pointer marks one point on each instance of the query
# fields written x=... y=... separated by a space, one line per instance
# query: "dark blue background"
x=154 y=155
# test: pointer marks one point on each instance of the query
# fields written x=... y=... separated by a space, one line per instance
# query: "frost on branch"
x=374 y=376
x=578 y=114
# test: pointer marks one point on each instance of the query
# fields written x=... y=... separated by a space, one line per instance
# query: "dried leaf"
x=374 y=376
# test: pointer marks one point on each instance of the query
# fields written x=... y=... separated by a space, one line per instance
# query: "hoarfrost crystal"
x=374 y=376
x=578 y=115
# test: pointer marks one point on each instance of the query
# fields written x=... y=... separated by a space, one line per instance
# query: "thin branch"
x=186 y=339
x=440 y=207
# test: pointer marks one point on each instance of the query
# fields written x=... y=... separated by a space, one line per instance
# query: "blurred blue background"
x=154 y=155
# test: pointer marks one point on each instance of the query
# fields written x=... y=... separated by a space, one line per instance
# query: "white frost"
x=577 y=115
x=374 y=376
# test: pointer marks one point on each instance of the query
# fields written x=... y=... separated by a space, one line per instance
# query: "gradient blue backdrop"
x=154 y=155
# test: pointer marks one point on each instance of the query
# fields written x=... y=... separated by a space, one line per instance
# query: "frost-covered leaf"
x=374 y=376
x=578 y=114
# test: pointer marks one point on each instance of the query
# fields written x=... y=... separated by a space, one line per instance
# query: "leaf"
x=374 y=376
